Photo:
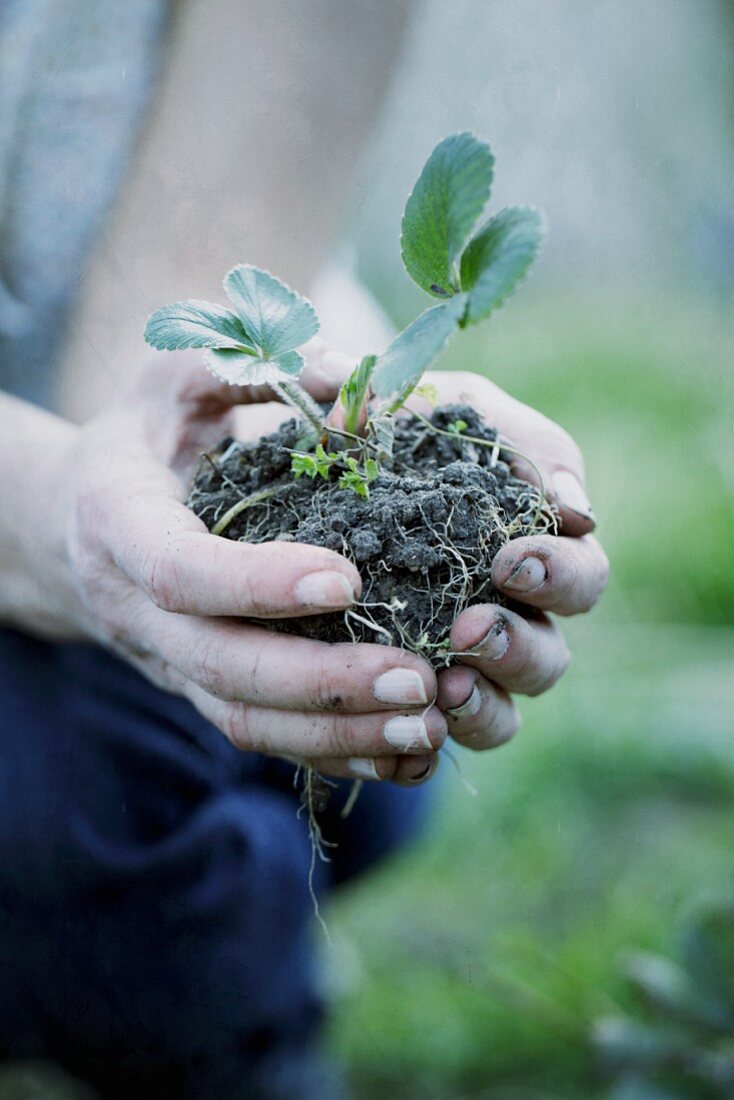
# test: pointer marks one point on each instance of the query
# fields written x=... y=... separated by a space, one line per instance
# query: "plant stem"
x=246 y=502
x=298 y=399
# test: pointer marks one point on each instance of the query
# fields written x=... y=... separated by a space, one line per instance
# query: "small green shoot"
x=469 y=263
x=358 y=478
x=354 y=393
x=313 y=465
x=456 y=427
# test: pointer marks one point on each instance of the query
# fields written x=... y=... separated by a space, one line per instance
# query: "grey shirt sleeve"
x=75 y=77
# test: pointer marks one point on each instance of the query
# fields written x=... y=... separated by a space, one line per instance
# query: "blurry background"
x=513 y=954
x=568 y=932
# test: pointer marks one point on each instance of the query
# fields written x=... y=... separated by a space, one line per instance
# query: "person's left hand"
x=507 y=652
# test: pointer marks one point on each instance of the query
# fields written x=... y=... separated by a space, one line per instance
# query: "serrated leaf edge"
x=543 y=218
x=295 y=293
x=201 y=304
x=451 y=292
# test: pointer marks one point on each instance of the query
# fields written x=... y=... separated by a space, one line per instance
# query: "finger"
x=247 y=663
x=480 y=715
x=182 y=378
x=555 y=574
x=313 y=736
x=520 y=655
x=169 y=553
x=550 y=447
x=407 y=771
x=325 y=370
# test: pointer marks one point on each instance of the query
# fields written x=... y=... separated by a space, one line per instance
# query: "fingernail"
x=528 y=576
x=470 y=707
x=324 y=589
x=407 y=732
x=495 y=643
x=570 y=494
x=426 y=773
x=362 y=768
x=400 y=685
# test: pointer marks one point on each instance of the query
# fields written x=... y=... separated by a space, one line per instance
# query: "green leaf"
x=383 y=429
x=456 y=427
x=446 y=202
x=238 y=369
x=276 y=319
x=195 y=324
x=354 y=392
x=303 y=464
x=401 y=365
x=499 y=257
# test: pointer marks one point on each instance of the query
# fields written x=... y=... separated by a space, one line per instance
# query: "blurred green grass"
x=475 y=964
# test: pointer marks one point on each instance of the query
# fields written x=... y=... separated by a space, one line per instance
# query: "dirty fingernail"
x=362 y=768
x=470 y=707
x=406 y=732
x=324 y=589
x=494 y=644
x=425 y=773
x=400 y=685
x=570 y=494
x=528 y=576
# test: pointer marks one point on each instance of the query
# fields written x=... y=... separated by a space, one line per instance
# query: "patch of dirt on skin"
x=423 y=542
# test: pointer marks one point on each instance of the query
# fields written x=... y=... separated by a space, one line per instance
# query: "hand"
x=507 y=652
x=156 y=587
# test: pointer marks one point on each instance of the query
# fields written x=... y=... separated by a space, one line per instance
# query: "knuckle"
x=328 y=687
x=343 y=738
x=235 y=725
x=207 y=668
x=163 y=581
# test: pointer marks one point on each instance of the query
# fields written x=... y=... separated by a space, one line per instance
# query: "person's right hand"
x=156 y=587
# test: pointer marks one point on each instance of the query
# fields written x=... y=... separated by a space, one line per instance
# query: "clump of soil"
x=423 y=542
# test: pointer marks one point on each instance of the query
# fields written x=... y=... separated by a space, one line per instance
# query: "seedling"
x=421 y=504
x=469 y=264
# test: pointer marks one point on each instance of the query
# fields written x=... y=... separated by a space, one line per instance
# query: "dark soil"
x=423 y=542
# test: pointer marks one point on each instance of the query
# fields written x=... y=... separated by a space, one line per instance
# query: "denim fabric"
x=155 y=920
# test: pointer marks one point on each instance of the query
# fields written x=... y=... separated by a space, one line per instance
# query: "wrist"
x=37 y=591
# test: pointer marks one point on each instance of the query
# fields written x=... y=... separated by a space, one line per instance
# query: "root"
x=246 y=502
x=312 y=796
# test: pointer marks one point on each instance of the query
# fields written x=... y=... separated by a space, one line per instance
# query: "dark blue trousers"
x=154 y=914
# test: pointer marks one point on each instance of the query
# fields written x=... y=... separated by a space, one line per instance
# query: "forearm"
x=36 y=591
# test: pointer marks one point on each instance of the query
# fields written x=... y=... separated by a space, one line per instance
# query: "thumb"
x=325 y=370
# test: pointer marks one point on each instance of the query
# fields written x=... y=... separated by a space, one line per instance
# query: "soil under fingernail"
x=470 y=707
x=423 y=541
x=494 y=644
x=324 y=589
x=426 y=773
x=528 y=576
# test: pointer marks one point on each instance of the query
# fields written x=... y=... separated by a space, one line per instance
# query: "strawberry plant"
x=421 y=504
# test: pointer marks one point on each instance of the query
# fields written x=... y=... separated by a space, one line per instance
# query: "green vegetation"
x=488 y=960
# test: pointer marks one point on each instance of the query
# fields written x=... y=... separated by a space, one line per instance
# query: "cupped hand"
x=503 y=652
x=157 y=588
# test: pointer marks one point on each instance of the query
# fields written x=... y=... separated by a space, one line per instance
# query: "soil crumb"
x=423 y=542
